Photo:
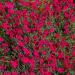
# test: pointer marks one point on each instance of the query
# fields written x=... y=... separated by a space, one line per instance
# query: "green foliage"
x=22 y=67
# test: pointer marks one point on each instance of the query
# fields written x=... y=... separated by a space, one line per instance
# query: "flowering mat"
x=37 y=37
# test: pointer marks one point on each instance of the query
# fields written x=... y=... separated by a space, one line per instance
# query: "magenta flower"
x=37 y=37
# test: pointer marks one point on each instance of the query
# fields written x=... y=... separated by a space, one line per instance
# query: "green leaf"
x=23 y=67
x=72 y=72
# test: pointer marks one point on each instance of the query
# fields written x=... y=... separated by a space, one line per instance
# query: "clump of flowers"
x=37 y=37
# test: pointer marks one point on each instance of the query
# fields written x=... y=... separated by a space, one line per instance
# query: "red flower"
x=32 y=63
x=25 y=60
x=2 y=67
x=21 y=44
x=47 y=73
x=14 y=73
x=36 y=54
x=14 y=64
x=60 y=70
x=24 y=26
x=26 y=39
x=73 y=47
x=11 y=11
x=52 y=30
x=5 y=25
x=68 y=74
x=26 y=51
x=73 y=53
x=1 y=39
x=7 y=73
x=32 y=73
x=52 y=47
x=9 y=5
x=55 y=1
x=72 y=36
x=19 y=37
x=73 y=18
x=56 y=35
x=60 y=55
x=71 y=1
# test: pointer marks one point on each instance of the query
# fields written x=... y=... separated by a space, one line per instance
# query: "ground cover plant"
x=37 y=37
